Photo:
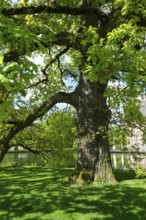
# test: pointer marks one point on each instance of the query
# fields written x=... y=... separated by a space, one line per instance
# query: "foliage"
x=52 y=136
x=140 y=171
x=118 y=137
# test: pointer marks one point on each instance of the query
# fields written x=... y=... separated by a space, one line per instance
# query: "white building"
x=137 y=139
x=143 y=104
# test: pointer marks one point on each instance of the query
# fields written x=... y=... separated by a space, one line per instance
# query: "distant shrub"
x=140 y=171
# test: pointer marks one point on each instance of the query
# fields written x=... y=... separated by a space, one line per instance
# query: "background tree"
x=47 y=139
x=105 y=44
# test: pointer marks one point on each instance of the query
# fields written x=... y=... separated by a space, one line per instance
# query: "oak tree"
x=99 y=45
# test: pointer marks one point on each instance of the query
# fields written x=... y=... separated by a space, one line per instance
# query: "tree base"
x=83 y=177
x=104 y=174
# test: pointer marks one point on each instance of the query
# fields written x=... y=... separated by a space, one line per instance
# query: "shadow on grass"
x=43 y=194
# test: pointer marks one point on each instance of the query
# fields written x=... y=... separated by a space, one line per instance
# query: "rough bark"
x=93 y=115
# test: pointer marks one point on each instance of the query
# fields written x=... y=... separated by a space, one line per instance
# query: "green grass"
x=35 y=193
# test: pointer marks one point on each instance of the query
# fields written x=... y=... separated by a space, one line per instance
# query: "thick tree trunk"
x=93 y=162
x=93 y=115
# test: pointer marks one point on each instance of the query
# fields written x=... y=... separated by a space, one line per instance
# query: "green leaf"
x=1 y=59
x=3 y=79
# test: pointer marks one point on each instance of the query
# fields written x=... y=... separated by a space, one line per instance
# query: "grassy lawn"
x=37 y=193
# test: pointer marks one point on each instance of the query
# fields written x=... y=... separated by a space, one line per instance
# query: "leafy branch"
x=60 y=97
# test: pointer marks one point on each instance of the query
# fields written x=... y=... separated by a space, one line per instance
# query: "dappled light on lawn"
x=36 y=193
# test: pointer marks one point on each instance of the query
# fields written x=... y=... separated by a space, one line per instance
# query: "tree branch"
x=40 y=151
x=60 y=97
x=26 y=148
x=55 y=10
x=55 y=59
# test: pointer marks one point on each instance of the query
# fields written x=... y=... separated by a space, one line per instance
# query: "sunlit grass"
x=35 y=193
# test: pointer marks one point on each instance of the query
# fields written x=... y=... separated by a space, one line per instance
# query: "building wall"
x=136 y=141
x=143 y=104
